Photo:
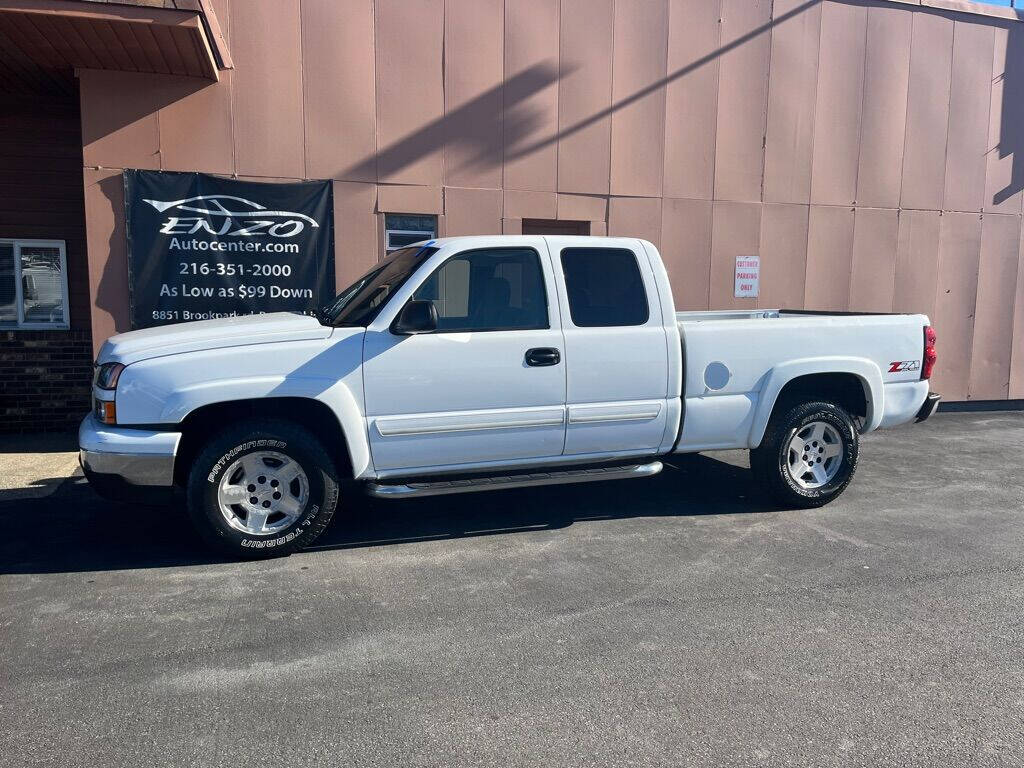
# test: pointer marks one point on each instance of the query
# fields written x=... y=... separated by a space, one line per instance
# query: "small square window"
x=403 y=229
x=33 y=284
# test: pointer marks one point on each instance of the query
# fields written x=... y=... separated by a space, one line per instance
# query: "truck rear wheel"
x=808 y=454
x=262 y=488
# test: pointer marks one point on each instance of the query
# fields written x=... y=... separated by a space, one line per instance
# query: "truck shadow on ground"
x=74 y=530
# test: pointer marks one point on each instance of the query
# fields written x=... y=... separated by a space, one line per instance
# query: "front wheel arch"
x=203 y=423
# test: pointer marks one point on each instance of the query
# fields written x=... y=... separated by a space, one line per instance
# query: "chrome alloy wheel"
x=815 y=455
x=263 y=493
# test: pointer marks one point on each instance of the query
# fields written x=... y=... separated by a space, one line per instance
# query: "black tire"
x=248 y=437
x=770 y=460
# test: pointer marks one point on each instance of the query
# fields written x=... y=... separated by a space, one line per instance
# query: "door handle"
x=541 y=356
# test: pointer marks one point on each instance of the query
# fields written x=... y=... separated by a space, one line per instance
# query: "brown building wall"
x=44 y=375
x=869 y=152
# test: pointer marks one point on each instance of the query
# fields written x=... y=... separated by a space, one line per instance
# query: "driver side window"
x=493 y=289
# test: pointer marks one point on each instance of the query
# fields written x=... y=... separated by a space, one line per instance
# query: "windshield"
x=360 y=302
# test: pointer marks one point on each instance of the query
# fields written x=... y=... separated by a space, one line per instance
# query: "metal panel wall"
x=339 y=111
x=917 y=262
x=783 y=255
x=120 y=120
x=472 y=211
x=691 y=98
x=585 y=96
x=860 y=147
x=829 y=257
x=924 y=159
x=473 y=67
x=530 y=94
x=1017 y=338
x=409 y=41
x=884 y=119
x=840 y=98
x=789 y=136
x=635 y=217
x=267 y=91
x=686 y=250
x=1006 y=115
x=735 y=231
x=993 y=318
x=970 y=90
x=354 y=203
x=956 y=300
x=742 y=99
x=873 y=270
x=638 y=125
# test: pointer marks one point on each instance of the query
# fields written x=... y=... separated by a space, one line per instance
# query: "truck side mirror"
x=415 y=317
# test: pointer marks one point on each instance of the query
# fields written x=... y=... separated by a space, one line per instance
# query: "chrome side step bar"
x=497 y=483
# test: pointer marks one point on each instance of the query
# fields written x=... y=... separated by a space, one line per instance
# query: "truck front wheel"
x=262 y=488
x=808 y=454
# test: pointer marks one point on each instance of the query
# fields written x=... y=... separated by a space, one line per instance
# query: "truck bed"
x=734 y=361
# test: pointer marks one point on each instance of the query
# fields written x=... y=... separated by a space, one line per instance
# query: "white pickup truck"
x=482 y=363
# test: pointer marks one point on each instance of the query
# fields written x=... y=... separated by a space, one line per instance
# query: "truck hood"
x=174 y=339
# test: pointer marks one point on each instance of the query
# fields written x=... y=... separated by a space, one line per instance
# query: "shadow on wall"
x=113 y=284
x=663 y=82
x=480 y=127
x=1011 y=125
x=499 y=125
x=500 y=115
x=101 y=118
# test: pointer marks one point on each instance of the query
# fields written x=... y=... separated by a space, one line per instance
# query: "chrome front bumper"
x=118 y=458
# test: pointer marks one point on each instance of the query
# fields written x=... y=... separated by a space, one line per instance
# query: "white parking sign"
x=748 y=276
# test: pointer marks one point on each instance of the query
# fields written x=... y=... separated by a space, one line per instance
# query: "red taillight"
x=929 y=353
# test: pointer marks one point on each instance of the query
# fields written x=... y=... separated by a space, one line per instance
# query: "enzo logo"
x=904 y=365
x=248 y=219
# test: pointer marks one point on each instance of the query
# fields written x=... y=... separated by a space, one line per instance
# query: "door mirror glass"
x=416 y=317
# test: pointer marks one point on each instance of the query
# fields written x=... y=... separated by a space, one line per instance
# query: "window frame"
x=19 y=290
x=389 y=249
x=388 y=231
x=543 y=288
x=639 y=272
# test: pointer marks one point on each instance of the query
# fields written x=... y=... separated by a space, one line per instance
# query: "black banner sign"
x=201 y=246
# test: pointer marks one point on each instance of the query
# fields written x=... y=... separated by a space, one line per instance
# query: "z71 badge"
x=904 y=365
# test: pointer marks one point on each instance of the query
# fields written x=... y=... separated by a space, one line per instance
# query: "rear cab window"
x=604 y=287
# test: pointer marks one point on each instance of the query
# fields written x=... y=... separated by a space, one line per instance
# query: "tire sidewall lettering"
x=299 y=528
x=231 y=455
x=247 y=437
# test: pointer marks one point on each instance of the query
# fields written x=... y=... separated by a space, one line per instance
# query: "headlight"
x=107 y=375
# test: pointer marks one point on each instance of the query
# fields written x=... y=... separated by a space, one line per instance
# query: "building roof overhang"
x=43 y=42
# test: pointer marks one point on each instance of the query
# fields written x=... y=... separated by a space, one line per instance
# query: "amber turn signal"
x=106 y=411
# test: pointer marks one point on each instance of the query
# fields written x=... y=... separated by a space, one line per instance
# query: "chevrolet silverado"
x=481 y=363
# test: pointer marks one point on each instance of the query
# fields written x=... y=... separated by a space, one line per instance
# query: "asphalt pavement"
x=680 y=620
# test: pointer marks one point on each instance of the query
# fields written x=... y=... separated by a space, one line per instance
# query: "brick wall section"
x=45 y=375
x=44 y=380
